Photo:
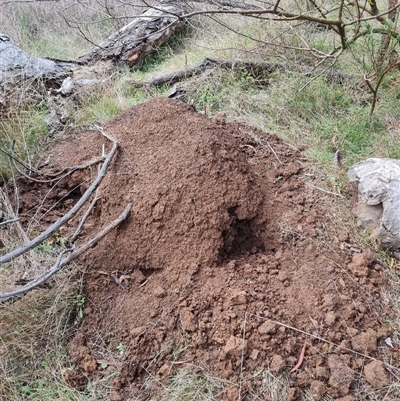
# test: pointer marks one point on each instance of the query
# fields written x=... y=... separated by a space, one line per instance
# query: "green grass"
x=320 y=115
x=107 y=100
x=63 y=30
x=33 y=346
x=26 y=128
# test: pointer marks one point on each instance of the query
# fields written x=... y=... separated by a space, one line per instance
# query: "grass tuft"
x=24 y=126
x=187 y=385
x=33 y=341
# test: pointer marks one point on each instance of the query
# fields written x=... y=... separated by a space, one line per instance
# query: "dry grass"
x=188 y=385
x=33 y=341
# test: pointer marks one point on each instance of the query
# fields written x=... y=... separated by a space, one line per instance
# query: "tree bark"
x=128 y=46
x=135 y=41
x=17 y=66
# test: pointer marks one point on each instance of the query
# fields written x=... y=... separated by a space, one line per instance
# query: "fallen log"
x=17 y=66
x=254 y=69
x=135 y=41
x=128 y=46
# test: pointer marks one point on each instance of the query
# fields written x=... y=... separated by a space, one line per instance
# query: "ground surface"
x=228 y=250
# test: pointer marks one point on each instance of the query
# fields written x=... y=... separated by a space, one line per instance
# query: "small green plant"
x=80 y=303
x=52 y=245
x=27 y=390
x=45 y=247
x=121 y=348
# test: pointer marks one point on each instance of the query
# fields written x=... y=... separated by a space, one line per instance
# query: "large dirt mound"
x=190 y=186
x=227 y=261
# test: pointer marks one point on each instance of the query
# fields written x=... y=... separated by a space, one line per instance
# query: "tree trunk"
x=135 y=41
x=17 y=66
x=130 y=45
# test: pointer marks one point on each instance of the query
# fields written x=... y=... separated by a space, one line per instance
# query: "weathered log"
x=130 y=45
x=254 y=69
x=135 y=41
x=17 y=66
x=379 y=198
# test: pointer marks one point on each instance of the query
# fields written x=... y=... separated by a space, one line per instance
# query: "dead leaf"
x=117 y=280
x=301 y=359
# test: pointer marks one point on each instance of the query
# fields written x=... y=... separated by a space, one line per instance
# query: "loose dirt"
x=228 y=259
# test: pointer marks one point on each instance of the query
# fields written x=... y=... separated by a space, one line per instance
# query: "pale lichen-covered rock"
x=379 y=186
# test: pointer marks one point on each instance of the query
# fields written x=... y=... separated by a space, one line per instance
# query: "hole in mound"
x=147 y=272
x=241 y=237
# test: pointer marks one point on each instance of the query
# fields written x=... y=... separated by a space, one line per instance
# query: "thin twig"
x=59 y=177
x=326 y=191
x=273 y=151
x=55 y=226
x=242 y=358
x=83 y=219
x=326 y=341
x=3 y=223
x=14 y=158
x=12 y=216
x=60 y=263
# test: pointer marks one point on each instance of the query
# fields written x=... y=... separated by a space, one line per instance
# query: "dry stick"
x=55 y=226
x=209 y=63
x=10 y=212
x=60 y=177
x=326 y=191
x=92 y=205
x=242 y=358
x=11 y=156
x=34 y=219
x=273 y=151
x=327 y=341
x=3 y=223
x=83 y=220
x=74 y=254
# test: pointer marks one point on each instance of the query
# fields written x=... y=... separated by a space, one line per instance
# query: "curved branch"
x=60 y=263
x=55 y=226
x=257 y=13
x=378 y=17
x=69 y=170
x=83 y=219
x=3 y=223
x=381 y=31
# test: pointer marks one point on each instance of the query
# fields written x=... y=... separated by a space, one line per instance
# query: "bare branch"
x=55 y=226
x=69 y=171
x=60 y=263
x=3 y=223
x=83 y=219
x=25 y=1
x=378 y=17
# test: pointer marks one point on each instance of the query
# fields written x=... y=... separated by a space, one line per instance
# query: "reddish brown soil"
x=227 y=258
